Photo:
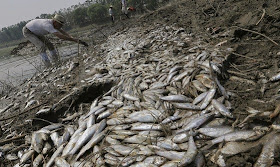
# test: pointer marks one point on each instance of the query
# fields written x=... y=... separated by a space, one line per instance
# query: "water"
x=14 y=70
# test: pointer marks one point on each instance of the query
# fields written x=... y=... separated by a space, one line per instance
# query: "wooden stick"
x=242 y=56
x=261 y=17
x=11 y=139
x=244 y=29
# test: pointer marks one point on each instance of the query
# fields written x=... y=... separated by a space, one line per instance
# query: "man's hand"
x=83 y=43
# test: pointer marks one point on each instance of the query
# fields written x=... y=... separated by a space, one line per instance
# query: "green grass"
x=4 y=52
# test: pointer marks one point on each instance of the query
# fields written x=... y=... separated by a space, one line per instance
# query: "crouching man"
x=35 y=32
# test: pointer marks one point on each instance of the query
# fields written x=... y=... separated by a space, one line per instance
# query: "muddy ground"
x=250 y=27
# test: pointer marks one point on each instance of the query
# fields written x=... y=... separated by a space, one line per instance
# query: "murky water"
x=14 y=70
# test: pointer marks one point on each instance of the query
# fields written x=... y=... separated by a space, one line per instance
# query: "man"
x=111 y=13
x=35 y=32
x=124 y=8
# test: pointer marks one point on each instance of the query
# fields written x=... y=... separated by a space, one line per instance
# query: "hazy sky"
x=14 y=11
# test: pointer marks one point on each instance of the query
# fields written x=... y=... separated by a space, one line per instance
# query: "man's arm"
x=64 y=35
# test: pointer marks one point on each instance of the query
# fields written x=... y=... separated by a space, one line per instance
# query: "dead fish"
x=145 y=126
x=38 y=160
x=54 y=136
x=129 y=97
x=171 y=155
x=191 y=153
x=11 y=157
x=37 y=141
x=182 y=75
x=170 y=164
x=95 y=139
x=157 y=85
x=168 y=144
x=171 y=119
x=269 y=151
x=210 y=94
x=55 y=154
x=199 y=98
x=200 y=160
x=199 y=86
x=145 y=116
x=233 y=148
x=84 y=138
x=112 y=141
x=30 y=103
x=176 y=98
x=242 y=135
x=95 y=109
x=175 y=68
x=186 y=106
x=53 y=126
x=215 y=131
x=275 y=77
x=196 y=122
x=46 y=148
x=127 y=161
x=43 y=110
x=91 y=120
x=125 y=150
x=206 y=80
x=157 y=160
x=137 y=139
x=61 y=162
x=183 y=137
x=170 y=76
x=119 y=127
x=221 y=108
x=25 y=157
x=104 y=115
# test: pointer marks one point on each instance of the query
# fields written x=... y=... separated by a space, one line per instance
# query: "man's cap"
x=58 y=18
x=111 y=6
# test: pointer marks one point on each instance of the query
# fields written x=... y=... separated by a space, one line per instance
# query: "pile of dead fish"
x=168 y=109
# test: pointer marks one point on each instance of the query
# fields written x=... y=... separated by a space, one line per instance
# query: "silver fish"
x=190 y=155
x=195 y=123
x=61 y=162
x=55 y=154
x=269 y=151
x=38 y=160
x=171 y=155
x=211 y=93
x=25 y=157
x=215 y=131
x=84 y=138
x=275 y=77
x=176 y=98
x=130 y=97
x=46 y=148
x=37 y=141
x=199 y=98
x=186 y=106
x=221 y=108
x=125 y=150
x=95 y=139
x=246 y=135
x=145 y=126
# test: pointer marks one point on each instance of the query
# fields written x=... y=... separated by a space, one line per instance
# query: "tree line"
x=92 y=11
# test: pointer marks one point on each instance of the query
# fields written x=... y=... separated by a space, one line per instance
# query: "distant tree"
x=97 y=12
x=79 y=16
